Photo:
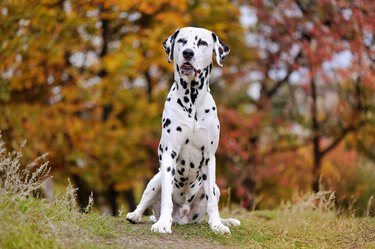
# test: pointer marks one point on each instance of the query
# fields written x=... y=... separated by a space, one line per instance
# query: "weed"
x=17 y=180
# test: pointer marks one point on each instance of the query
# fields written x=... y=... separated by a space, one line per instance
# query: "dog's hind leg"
x=151 y=192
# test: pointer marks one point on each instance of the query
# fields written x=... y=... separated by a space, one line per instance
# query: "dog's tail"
x=231 y=222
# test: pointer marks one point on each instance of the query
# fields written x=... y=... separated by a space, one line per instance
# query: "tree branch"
x=278 y=84
x=343 y=134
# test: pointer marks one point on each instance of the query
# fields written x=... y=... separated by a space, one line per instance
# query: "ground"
x=35 y=223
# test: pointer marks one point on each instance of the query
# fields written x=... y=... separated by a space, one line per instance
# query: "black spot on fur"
x=183 y=163
x=160 y=157
x=202 y=84
x=221 y=51
x=195 y=216
x=212 y=142
x=180 y=172
x=214 y=37
x=202 y=196
x=187 y=141
x=202 y=148
x=214 y=191
x=192 y=165
x=207 y=160
x=178 y=129
x=166 y=123
x=173 y=154
x=186 y=99
x=207 y=110
x=213 y=108
x=191 y=198
x=201 y=163
x=204 y=176
x=169 y=131
x=177 y=186
x=153 y=189
x=180 y=103
x=168 y=169
x=168 y=99
x=173 y=172
x=193 y=94
x=183 y=83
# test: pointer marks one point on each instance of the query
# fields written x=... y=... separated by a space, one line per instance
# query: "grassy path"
x=34 y=223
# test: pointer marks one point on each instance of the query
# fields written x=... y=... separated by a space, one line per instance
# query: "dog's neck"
x=192 y=89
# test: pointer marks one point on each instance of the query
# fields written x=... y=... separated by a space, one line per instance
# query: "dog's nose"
x=188 y=54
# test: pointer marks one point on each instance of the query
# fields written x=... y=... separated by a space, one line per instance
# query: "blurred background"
x=86 y=82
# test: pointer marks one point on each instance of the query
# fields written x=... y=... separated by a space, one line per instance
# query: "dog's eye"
x=181 y=40
x=203 y=43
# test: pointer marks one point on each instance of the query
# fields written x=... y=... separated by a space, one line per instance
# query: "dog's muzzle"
x=187 y=69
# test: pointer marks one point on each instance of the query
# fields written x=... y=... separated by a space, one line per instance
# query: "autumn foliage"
x=85 y=81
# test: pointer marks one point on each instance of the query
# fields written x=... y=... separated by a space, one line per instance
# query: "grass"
x=35 y=223
x=28 y=222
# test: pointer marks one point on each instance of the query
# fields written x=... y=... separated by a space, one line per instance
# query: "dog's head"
x=191 y=49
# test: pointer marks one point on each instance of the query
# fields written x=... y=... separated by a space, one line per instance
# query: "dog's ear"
x=168 y=45
x=220 y=48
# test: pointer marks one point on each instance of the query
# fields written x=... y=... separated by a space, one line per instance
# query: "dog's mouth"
x=187 y=68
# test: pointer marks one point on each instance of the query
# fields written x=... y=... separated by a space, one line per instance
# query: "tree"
x=317 y=49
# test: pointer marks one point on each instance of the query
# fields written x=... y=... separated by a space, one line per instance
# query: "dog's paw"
x=162 y=226
x=134 y=217
x=231 y=222
x=220 y=228
x=153 y=219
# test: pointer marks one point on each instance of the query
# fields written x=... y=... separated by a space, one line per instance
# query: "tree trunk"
x=82 y=192
x=112 y=196
x=130 y=199
x=315 y=127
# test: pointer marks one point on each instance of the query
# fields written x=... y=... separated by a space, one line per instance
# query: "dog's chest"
x=189 y=175
x=192 y=131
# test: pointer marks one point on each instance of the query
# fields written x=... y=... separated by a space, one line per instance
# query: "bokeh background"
x=85 y=81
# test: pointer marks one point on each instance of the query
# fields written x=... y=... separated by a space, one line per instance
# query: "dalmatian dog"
x=184 y=189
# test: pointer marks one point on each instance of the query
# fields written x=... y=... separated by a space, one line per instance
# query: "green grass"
x=35 y=223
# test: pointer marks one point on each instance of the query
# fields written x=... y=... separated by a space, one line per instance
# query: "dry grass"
x=26 y=222
x=18 y=180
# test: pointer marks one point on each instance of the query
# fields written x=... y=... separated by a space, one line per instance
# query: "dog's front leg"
x=150 y=193
x=209 y=178
x=167 y=171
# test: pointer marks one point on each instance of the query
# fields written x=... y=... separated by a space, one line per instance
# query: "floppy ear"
x=168 y=45
x=221 y=49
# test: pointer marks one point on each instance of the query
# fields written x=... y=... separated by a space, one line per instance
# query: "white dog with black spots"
x=185 y=189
